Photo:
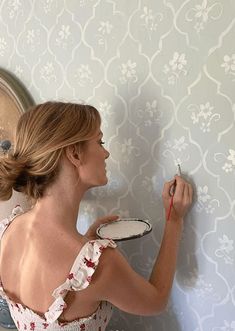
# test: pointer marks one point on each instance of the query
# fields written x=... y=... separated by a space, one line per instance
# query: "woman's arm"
x=163 y=271
x=119 y=284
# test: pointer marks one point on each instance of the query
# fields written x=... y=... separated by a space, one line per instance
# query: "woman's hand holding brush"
x=177 y=197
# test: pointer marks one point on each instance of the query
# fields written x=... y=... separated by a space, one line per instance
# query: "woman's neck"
x=60 y=203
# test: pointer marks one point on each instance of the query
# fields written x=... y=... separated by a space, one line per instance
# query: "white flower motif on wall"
x=83 y=3
x=203 y=116
x=231 y=156
x=106 y=110
x=109 y=190
x=202 y=289
x=147 y=184
x=127 y=150
x=15 y=8
x=63 y=36
x=173 y=148
x=226 y=249
x=87 y=215
x=88 y=211
x=3 y=46
x=151 y=21
x=228 y=326
x=229 y=160
x=105 y=29
x=33 y=38
x=48 y=73
x=205 y=201
x=180 y=144
x=47 y=5
x=128 y=72
x=30 y=36
x=150 y=114
x=202 y=13
x=229 y=65
x=18 y=71
x=175 y=68
x=83 y=75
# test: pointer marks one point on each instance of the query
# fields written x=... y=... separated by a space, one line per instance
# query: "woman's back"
x=49 y=255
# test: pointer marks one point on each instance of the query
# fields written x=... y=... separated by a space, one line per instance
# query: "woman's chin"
x=105 y=181
x=101 y=183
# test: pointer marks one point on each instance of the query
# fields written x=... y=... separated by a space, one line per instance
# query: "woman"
x=52 y=276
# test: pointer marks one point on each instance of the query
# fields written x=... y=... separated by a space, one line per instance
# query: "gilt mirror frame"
x=14 y=100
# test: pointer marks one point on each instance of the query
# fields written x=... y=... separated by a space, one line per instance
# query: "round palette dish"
x=124 y=229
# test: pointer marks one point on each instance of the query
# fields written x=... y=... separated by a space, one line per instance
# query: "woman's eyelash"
x=102 y=142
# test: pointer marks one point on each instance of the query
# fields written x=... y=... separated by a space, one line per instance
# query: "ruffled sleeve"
x=79 y=276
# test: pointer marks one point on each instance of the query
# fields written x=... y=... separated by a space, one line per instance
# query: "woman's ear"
x=73 y=155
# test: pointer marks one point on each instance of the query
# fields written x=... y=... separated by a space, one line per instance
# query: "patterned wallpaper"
x=162 y=74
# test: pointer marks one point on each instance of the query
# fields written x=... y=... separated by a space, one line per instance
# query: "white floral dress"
x=78 y=278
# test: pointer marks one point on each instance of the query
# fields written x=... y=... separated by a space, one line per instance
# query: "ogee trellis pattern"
x=162 y=74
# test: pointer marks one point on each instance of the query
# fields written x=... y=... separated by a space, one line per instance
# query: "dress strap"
x=79 y=276
x=7 y=221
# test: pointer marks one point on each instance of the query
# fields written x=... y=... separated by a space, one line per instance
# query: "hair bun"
x=10 y=170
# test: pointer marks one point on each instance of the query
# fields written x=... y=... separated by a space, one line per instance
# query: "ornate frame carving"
x=14 y=100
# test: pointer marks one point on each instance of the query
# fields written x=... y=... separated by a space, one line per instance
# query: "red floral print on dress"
x=101 y=248
x=32 y=326
x=45 y=325
x=17 y=306
x=70 y=276
x=89 y=279
x=82 y=327
x=62 y=292
x=89 y=263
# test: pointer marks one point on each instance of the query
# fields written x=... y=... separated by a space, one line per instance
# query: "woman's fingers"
x=182 y=198
x=180 y=187
x=167 y=189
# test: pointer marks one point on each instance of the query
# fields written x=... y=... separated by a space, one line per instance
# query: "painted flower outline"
x=128 y=72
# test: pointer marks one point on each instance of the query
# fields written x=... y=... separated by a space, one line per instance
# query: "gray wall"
x=162 y=74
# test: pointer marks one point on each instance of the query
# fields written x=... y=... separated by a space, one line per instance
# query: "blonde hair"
x=41 y=136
